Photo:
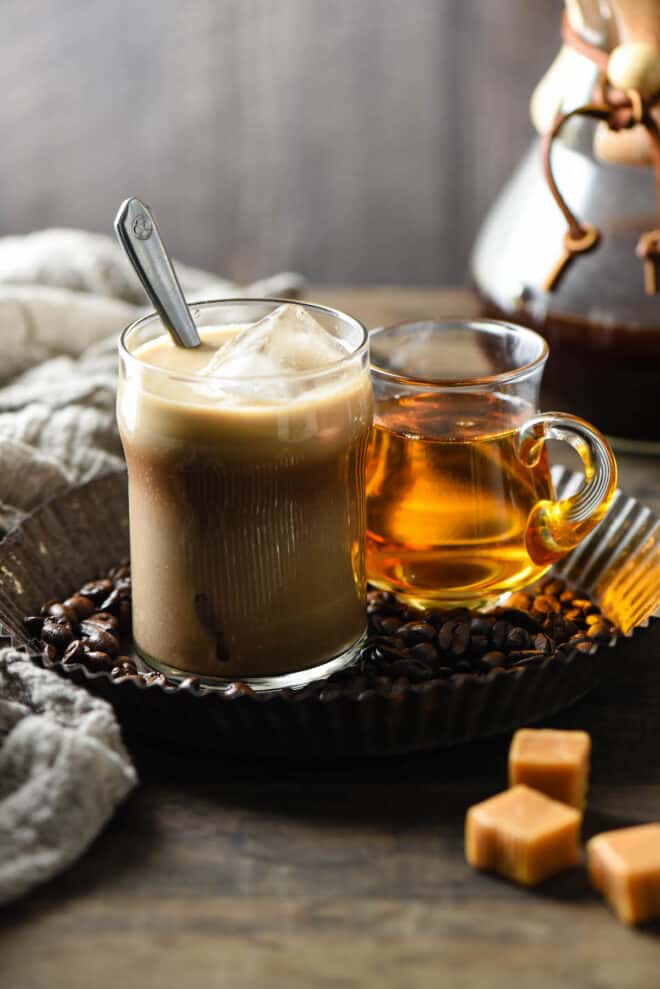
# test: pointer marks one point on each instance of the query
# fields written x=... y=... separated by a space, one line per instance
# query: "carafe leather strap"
x=620 y=110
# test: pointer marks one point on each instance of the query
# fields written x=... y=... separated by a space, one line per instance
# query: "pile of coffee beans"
x=404 y=645
x=547 y=621
x=90 y=627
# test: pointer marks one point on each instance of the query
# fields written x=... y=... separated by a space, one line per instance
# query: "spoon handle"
x=137 y=230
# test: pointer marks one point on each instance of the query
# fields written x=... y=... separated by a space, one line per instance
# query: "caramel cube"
x=554 y=762
x=523 y=835
x=624 y=865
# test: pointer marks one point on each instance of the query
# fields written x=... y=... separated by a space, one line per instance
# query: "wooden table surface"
x=221 y=874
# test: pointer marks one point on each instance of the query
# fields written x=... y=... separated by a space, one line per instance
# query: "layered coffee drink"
x=246 y=459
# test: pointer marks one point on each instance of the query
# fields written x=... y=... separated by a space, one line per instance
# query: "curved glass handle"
x=555 y=527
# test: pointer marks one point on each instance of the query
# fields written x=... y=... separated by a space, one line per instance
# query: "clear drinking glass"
x=247 y=504
x=460 y=502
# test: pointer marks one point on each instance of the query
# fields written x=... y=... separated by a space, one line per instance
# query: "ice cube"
x=287 y=340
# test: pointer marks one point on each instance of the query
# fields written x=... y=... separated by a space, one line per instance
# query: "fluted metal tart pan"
x=84 y=532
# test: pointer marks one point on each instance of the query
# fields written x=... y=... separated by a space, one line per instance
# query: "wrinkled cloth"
x=64 y=297
x=63 y=770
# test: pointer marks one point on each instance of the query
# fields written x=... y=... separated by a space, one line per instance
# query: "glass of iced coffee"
x=246 y=462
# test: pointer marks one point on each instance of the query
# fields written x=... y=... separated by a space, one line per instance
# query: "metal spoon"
x=138 y=234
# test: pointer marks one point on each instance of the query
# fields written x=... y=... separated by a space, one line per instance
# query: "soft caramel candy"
x=624 y=866
x=523 y=835
x=554 y=762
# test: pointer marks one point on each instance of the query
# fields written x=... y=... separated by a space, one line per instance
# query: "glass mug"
x=460 y=501
x=247 y=512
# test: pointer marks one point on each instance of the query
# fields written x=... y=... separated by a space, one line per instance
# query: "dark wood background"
x=353 y=140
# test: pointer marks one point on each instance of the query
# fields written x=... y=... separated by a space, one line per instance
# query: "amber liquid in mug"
x=448 y=500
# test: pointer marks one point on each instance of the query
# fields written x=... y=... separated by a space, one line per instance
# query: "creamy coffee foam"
x=246 y=499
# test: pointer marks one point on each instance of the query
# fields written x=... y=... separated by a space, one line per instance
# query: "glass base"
x=450 y=603
x=294 y=680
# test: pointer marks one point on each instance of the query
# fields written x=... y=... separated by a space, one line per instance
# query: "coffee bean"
x=525 y=656
x=134 y=677
x=56 y=609
x=458 y=614
x=386 y=654
x=479 y=644
x=49 y=654
x=463 y=666
x=329 y=692
x=554 y=587
x=74 y=652
x=594 y=619
x=521 y=601
x=239 y=689
x=454 y=637
x=566 y=597
x=600 y=632
x=556 y=628
x=413 y=632
x=392 y=643
x=424 y=651
x=499 y=633
x=384 y=602
x=433 y=618
x=584 y=646
x=481 y=625
x=122 y=570
x=446 y=635
x=516 y=638
x=99 y=639
x=57 y=632
x=103 y=620
x=81 y=606
x=585 y=605
x=574 y=614
x=380 y=598
x=411 y=670
x=96 y=659
x=33 y=625
x=461 y=639
x=191 y=683
x=387 y=625
x=514 y=616
x=542 y=643
x=112 y=601
x=96 y=590
x=546 y=605
x=154 y=678
x=493 y=659
x=125 y=667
